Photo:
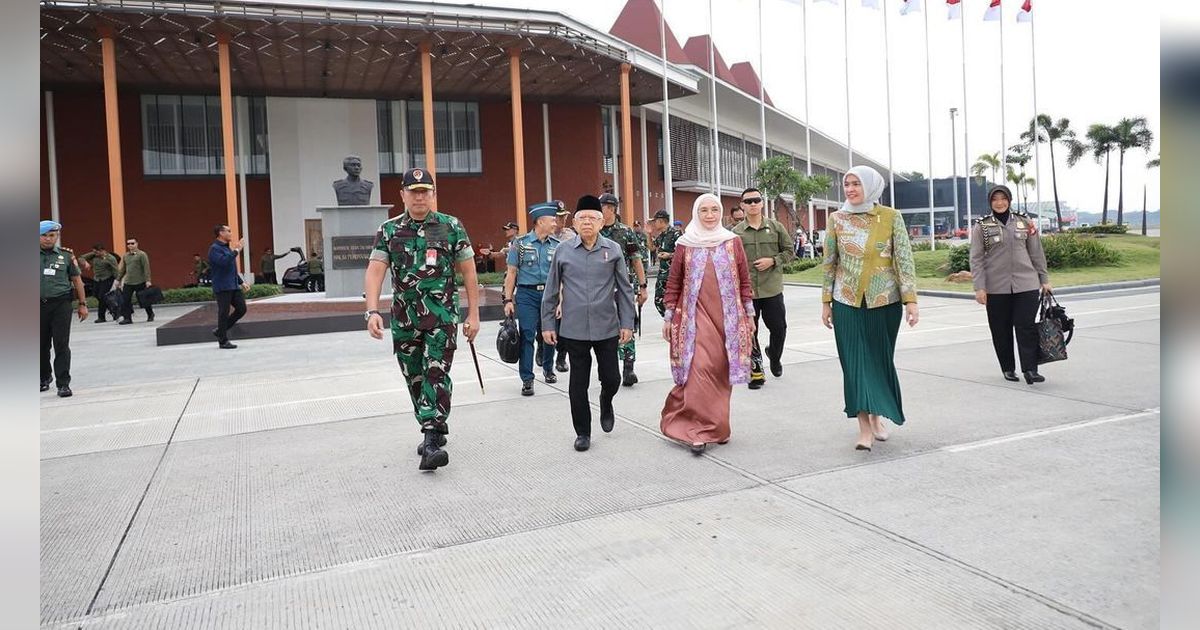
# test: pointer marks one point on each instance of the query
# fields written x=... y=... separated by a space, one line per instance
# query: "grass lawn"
x=1140 y=259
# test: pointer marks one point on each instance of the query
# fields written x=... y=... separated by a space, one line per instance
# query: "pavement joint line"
x=145 y=491
x=1030 y=390
x=959 y=448
x=1140 y=343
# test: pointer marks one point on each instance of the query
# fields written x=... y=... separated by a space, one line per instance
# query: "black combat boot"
x=433 y=456
x=441 y=438
x=628 y=378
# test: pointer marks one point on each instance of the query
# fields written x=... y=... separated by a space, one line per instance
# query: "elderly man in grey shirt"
x=589 y=273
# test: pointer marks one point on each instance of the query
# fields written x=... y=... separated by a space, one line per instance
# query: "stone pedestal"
x=347 y=236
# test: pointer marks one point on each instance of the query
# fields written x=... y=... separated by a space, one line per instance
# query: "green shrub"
x=205 y=294
x=1068 y=250
x=486 y=279
x=960 y=259
x=1103 y=228
x=800 y=264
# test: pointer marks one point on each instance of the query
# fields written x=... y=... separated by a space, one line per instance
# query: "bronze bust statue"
x=353 y=190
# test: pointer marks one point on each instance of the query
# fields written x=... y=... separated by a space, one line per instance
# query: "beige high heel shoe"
x=880 y=432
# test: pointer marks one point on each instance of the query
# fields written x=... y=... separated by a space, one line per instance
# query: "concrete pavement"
x=276 y=486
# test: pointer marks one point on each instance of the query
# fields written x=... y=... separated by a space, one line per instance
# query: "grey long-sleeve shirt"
x=1013 y=262
x=597 y=299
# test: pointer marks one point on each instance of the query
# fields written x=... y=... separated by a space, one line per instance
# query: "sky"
x=1097 y=61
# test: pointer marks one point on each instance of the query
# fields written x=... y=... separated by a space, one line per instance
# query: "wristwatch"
x=368 y=314
x=506 y=301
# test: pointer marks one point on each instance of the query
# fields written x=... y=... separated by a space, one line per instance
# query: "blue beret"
x=48 y=226
x=545 y=209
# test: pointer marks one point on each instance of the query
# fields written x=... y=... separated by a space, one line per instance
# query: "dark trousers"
x=56 y=331
x=129 y=290
x=774 y=315
x=224 y=319
x=270 y=278
x=102 y=287
x=529 y=318
x=581 y=372
x=1007 y=312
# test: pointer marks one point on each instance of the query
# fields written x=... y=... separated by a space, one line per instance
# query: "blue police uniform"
x=531 y=257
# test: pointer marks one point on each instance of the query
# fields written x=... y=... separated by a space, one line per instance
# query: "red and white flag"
x=1024 y=15
x=910 y=6
x=993 y=12
x=953 y=9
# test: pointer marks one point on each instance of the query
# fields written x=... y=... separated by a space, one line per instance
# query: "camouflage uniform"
x=425 y=306
x=664 y=242
x=635 y=249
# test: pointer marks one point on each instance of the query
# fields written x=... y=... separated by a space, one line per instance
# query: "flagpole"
x=762 y=98
x=668 y=193
x=807 y=122
x=887 y=79
x=1037 y=154
x=712 y=73
x=929 y=128
x=846 y=57
x=1003 y=140
x=966 y=129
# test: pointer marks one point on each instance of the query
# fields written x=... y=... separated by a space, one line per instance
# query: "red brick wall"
x=172 y=218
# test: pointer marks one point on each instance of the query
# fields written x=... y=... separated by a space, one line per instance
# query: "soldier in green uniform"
x=104 y=273
x=635 y=252
x=664 y=246
x=423 y=248
x=200 y=269
x=267 y=265
x=60 y=278
x=133 y=275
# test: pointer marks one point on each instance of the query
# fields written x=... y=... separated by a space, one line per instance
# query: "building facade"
x=514 y=107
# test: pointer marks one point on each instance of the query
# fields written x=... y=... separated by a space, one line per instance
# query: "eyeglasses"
x=131 y=242
x=752 y=200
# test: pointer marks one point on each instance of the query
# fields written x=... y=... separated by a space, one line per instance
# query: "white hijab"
x=696 y=235
x=872 y=183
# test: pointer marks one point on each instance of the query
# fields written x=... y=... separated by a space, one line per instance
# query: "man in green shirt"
x=635 y=250
x=59 y=280
x=200 y=269
x=664 y=247
x=267 y=265
x=133 y=275
x=768 y=247
x=104 y=273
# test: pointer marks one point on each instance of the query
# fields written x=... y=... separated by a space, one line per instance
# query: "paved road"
x=276 y=486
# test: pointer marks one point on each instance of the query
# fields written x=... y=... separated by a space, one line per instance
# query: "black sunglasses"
x=752 y=200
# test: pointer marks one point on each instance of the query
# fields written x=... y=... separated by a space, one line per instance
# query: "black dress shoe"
x=100 y=320
x=150 y=317
x=607 y=419
x=551 y=377
x=45 y=385
x=776 y=368
x=582 y=443
x=1032 y=377
x=441 y=441
x=225 y=345
x=561 y=366
x=64 y=392
x=125 y=322
x=1010 y=375
x=527 y=388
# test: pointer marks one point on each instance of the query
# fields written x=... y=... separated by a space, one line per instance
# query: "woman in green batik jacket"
x=869 y=272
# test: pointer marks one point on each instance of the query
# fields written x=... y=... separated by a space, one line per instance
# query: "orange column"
x=116 y=190
x=427 y=108
x=231 y=205
x=626 y=149
x=514 y=68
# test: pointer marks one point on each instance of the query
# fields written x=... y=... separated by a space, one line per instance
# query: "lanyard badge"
x=431 y=256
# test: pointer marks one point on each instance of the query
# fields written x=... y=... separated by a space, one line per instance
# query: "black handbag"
x=508 y=341
x=1054 y=329
x=114 y=300
x=150 y=296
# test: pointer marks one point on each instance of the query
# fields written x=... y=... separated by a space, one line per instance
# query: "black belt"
x=47 y=300
x=535 y=287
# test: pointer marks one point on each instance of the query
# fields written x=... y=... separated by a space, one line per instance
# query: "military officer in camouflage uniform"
x=664 y=247
x=424 y=248
x=635 y=252
x=60 y=279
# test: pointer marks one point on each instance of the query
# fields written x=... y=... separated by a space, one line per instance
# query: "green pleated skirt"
x=866 y=343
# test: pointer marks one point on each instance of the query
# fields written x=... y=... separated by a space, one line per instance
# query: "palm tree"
x=1131 y=133
x=986 y=162
x=1101 y=140
x=1042 y=128
x=1149 y=165
x=1023 y=182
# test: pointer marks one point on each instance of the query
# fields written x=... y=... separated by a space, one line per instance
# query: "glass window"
x=182 y=135
x=401 y=127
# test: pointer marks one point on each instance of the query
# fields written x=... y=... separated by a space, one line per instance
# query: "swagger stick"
x=478 y=374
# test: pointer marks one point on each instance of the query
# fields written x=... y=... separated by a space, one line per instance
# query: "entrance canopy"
x=345 y=49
